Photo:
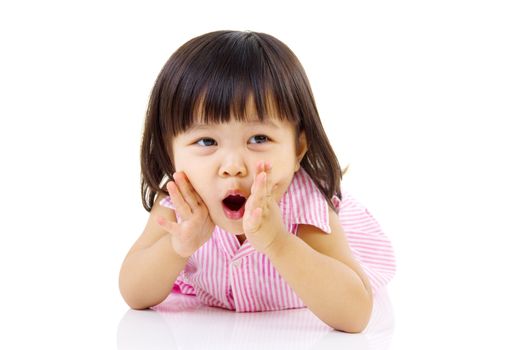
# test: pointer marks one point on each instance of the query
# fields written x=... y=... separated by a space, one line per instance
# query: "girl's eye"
x=259 y=139
x=206 y=142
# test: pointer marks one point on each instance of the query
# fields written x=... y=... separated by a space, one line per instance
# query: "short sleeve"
x=369 y=244
x=166 y=202
x=182 y=287
x=303 y=203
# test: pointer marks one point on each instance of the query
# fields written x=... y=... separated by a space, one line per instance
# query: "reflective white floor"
x=182 y=322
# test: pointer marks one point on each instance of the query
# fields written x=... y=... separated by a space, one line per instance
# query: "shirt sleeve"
x=182 y=287
x=303 y=203
x=368 y=243
x=166 y=202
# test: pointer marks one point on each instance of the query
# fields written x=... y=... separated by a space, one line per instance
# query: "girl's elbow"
x=357 y=325
x=133 y=300
x=140 y=304
x=354 y=328
x=359 y=320
x=133 y=303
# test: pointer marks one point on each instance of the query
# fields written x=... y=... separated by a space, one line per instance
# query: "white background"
x=426 y=101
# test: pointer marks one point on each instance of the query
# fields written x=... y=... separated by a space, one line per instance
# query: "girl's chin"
x=235 y=228
x=227 y=224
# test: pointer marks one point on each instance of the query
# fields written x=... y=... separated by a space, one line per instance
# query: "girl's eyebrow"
x=201 y=126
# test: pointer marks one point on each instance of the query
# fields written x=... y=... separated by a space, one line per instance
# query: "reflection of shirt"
x=225 y=274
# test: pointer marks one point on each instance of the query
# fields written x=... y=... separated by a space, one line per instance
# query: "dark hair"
x=217 y=73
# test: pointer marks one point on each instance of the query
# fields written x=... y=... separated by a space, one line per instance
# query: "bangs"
x=245 y=105
x=238 y=75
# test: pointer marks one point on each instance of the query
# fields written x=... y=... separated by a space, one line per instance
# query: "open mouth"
x=234 y=206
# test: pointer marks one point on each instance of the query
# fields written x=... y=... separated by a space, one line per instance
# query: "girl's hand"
x=262 y=219
x=196 y=226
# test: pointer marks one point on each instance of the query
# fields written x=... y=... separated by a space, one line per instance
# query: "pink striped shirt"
x=223 y=273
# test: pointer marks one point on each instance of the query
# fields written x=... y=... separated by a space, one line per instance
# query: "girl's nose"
x=233 y=167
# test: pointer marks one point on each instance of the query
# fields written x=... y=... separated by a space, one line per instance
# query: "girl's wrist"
x=276 y=246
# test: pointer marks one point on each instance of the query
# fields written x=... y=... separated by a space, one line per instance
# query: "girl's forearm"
x=331 y=290
x=147 y=275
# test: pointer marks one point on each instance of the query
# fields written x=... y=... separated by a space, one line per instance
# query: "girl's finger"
x=254 y=199
x=268 y=178
x=256 y=188
x=266 y=195
x=265 y=166
x=167 y=225
x=188 y=193
x=254 y=221
x=180 y=205
x=252 y=205
x=259 y=191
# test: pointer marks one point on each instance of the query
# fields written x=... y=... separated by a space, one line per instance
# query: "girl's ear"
x=302 y=147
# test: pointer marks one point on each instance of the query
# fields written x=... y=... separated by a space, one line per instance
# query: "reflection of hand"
x=196 y=226
x=262 y=219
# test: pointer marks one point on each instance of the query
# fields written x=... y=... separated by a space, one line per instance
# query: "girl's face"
x=221 y=160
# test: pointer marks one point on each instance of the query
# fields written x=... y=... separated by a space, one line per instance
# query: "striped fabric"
x=223 y=273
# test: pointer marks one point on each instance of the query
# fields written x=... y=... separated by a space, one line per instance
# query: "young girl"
x=243 y=190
